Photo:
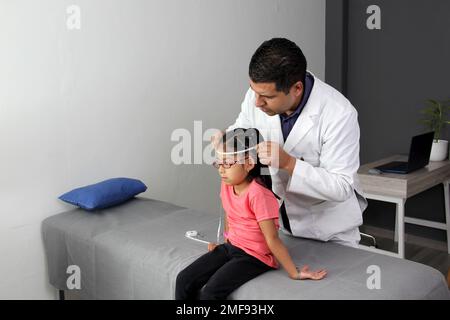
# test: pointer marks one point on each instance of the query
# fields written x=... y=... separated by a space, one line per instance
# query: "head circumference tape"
x=236 y=152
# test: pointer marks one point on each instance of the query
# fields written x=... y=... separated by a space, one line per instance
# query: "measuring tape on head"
x=235 y=152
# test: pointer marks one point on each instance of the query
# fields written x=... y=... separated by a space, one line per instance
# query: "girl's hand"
x=212 y=246
x=305 y=274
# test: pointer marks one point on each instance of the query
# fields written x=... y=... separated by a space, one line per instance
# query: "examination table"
x=135 y=251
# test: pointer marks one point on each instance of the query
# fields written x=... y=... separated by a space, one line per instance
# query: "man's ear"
x=297 y=88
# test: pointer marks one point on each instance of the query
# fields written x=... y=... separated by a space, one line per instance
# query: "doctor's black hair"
x=241 y=139
x=278 y=60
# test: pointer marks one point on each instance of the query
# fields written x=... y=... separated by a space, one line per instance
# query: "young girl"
x=252 y=245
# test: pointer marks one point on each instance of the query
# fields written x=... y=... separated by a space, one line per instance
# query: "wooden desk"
x=397 y=188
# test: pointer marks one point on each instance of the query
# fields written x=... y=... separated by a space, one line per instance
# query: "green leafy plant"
x=435 y=116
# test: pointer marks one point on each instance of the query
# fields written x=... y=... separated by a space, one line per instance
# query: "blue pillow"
x=104 y=194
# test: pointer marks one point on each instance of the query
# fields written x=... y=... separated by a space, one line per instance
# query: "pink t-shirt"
x=257 y=203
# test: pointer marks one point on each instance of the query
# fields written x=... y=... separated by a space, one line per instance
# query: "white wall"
x=80 y=106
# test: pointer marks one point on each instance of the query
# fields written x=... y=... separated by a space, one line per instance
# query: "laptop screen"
x=419 y=154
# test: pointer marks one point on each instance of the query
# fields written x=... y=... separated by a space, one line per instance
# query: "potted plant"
x=435 y=119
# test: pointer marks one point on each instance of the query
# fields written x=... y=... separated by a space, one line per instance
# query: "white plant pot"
x=439 y=150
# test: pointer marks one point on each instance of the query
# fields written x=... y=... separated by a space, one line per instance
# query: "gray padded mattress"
x=135 y=251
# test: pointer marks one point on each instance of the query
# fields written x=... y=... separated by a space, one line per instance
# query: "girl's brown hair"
x=239 y=140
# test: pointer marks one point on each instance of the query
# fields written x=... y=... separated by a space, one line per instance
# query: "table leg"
x=447 y=212
x=400 y=227
x=395 y=226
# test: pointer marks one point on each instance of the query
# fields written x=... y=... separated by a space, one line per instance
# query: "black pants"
x=217 y=273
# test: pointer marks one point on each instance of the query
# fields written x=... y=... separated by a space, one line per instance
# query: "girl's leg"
x=237 y=271
x=191 y=279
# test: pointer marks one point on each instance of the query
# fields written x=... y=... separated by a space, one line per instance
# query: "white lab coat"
x=320 y=197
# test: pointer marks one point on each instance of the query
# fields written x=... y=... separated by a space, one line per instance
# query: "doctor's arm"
x=333 y=179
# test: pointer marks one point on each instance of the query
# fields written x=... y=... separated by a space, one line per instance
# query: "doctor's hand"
x=216 y=138
x=305 y=274
x=272 y=154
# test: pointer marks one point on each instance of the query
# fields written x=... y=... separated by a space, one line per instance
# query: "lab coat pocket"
x=323 y=216
x=314 y=161
x=323 y=206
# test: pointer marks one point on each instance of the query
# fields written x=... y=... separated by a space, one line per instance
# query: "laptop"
x=419 y=156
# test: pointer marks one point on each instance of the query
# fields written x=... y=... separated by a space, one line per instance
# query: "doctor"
x=311 y=144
